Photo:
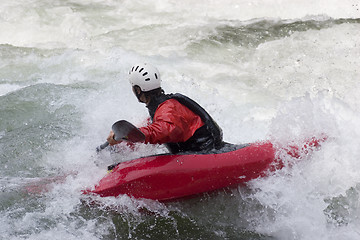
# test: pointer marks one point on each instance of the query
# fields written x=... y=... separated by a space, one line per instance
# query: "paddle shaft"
x=102 y=146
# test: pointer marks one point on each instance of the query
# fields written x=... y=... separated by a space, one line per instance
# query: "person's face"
x=140 y=96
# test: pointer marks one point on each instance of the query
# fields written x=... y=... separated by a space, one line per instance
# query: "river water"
x=265 y=70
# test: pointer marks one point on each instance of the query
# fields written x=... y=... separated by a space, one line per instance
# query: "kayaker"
x=176 y=120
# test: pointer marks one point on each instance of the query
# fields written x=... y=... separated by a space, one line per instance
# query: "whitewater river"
x=265 y=70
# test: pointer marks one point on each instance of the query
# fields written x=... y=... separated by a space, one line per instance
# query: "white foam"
x=33 y=23
x=8 y=88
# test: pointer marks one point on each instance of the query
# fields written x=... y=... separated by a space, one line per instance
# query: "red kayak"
x=166 y=177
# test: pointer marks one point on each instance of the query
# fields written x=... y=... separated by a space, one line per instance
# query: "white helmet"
x=146 y=76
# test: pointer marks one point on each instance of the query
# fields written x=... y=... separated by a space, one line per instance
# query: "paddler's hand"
x=111 y=139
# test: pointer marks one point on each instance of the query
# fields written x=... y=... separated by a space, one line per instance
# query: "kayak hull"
x=166 y=177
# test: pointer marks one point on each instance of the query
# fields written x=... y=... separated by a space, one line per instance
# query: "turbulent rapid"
x=265 y=70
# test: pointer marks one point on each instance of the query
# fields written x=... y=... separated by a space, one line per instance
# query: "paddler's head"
x=145 y=81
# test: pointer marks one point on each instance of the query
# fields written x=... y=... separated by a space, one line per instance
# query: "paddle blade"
x=125 y=130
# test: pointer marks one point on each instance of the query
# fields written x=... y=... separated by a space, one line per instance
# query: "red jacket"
x=172 y=123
